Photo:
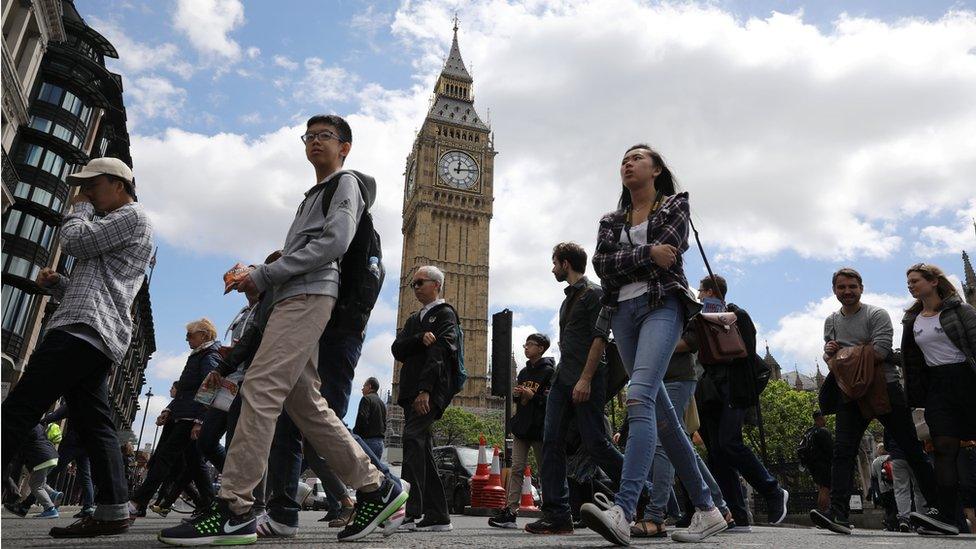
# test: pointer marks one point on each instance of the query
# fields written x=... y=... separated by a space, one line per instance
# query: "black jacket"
x=198 y=365
x=725 y=384
x=530 y=418
x=958 y=319
x=371 y=418
x=427 y=368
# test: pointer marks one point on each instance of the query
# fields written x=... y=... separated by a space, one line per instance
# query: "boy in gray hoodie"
x=283 y=373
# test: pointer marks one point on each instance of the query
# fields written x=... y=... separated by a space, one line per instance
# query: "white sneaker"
x=611 y=524
x=704 y=524
x=269 y=528
x=392 y=524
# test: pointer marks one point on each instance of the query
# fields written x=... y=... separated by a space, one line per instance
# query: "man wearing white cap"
x=89 y=332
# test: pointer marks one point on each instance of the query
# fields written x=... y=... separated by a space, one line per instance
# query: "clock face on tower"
x=457 y=169
x=411 y=178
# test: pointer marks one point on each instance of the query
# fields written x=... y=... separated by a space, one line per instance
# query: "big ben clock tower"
x=447 y=206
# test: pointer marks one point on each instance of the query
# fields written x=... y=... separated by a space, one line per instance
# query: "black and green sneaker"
x=372 y=508
x=219 y=526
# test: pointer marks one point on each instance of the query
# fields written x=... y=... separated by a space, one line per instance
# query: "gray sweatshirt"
x=316 y=243
x=870 y=324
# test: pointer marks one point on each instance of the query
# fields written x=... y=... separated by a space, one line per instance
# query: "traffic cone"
x=483 y=463
x=494 y=493
x=527 y=503
x=480 y=478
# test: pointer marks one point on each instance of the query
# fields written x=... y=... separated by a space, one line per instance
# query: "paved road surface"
x=474 y=532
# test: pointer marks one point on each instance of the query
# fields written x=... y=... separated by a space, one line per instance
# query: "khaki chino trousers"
x=520 y=457
x=283 y=374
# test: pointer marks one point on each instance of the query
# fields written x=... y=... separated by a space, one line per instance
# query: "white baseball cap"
x=103 y=166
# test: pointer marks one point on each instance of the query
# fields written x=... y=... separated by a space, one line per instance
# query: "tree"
x=457 y=427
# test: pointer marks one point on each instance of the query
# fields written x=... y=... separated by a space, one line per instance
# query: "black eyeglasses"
x=319 y=136
x=420 y=282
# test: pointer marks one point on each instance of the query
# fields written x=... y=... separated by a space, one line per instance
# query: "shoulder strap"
x=328 y=191
x=701 y=250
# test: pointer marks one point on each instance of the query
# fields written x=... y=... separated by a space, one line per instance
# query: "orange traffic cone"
x=483 y=463
x=494 y=494
x=527 y=503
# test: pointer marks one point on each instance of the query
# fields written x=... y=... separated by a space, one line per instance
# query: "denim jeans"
x=590 y=420
x=70 y=450
x=729 y=457
x=338 y=356
x=376 y=445
x=64 y=365
x=646 y=339
x=662 y=471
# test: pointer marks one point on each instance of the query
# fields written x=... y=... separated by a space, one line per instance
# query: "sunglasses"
x=420 y=282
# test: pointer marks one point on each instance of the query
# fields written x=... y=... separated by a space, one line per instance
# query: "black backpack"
x=806 y=451
x=361 y=271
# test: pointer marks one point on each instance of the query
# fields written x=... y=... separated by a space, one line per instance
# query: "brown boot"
x=89 y=528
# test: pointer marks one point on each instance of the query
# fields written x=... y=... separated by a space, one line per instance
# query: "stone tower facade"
x=969 y=284
x=447 y=207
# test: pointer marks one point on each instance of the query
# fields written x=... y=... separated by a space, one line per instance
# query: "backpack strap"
x=328 y=191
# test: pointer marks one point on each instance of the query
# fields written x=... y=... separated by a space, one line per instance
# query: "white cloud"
x=137 y=57
x=939 y=240
x=253 y=52
x=250 y=118
x=285 y=62
x=207 y=24
x=325 y=84
x=153 y=97
x=166 y=366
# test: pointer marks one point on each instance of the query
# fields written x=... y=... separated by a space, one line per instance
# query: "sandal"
x=640 y=529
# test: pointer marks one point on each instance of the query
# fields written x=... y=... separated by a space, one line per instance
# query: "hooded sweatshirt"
x=317 y=240
x=530 y=418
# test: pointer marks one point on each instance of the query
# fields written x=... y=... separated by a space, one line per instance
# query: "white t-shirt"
x=935 y=344
x=638 y=235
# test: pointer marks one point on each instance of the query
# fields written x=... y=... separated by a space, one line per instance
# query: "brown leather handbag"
x=719 y=339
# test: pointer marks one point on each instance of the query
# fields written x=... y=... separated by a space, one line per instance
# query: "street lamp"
x=149 y=395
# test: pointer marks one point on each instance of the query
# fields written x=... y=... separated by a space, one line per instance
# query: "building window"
x=33 y=154
x=57 y=130
x=50 y=93
x=39 y=196
x=27 y=226
x=72 y=103
x=18 y=266
x=16 y=308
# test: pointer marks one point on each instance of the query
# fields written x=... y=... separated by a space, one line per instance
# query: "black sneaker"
x=904 y=526
x=435 y=525
x=776 y=507
x=219 y=526
x=88 y=527
x=545 y=526
x=828 y=522
x=372 y=508
x=933 y=522
x=504 y=519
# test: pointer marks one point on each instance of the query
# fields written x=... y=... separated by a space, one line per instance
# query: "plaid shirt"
x=112 y=254
x=619 y=263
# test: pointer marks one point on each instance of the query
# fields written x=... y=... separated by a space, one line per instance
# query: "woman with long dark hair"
x=647 y=300
x=939 y=348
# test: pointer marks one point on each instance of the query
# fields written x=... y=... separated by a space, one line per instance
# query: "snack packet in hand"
x=235 y=275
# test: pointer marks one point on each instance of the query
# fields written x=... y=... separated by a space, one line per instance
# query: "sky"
x=809 y=135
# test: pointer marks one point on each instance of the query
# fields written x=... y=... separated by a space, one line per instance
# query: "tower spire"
x=454 y=66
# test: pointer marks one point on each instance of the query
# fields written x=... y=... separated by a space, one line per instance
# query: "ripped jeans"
x=646 y=339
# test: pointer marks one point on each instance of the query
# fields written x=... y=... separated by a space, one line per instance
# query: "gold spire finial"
x=455 y=24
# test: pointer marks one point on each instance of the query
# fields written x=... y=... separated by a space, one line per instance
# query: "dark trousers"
x=63 y=365
x=729 y=457
x=376 y=445
x=593 y=433
x=427 y=496
x=338 y=356
x=175 y=450
x=70 y=450
x=850 y=426
x=208 y=443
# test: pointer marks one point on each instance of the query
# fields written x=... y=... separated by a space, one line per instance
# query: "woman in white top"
x=938 y=343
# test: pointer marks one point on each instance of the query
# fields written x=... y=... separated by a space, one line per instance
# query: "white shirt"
x=638 y=235
x=429 y=306
x=934 y=343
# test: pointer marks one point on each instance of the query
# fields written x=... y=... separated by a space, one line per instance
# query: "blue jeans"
x=70 y=450
x=590 y=420
x=338 y=356
x=662 y=471
x=376 y=445
x=646 y=339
